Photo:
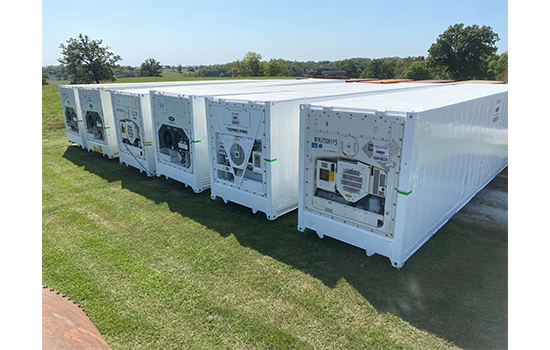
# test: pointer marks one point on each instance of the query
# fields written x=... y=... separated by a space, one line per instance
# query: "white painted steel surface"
x=134 y=129
x=74 y=125
x=438 y=148
x=254 y=142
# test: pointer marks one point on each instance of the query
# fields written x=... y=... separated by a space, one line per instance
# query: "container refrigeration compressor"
x=254 y=142
x=97 y=115
x=385 y=172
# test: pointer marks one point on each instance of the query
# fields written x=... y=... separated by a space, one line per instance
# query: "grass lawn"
x=157 y=266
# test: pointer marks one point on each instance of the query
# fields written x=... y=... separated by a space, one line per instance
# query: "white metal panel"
x=72 y=116
x=98 y=122
x=453 y=142
x=134 y=130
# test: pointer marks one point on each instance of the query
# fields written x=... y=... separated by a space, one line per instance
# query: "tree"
x=418 y=70
x=45 y=78
x=380 y=68
x=251 y=64
x=276 y=68
x=461 y=51
x=88 y=61
x=179 y=69
x=150 y=68
x=349 y=67
x=496 y=64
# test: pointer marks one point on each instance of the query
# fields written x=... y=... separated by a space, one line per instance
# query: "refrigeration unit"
x=70 y=106
x=97 y=115
x=385 y=172
x=254 y=141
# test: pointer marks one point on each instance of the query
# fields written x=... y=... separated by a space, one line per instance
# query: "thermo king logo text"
x=237 y=130
x=326 y=141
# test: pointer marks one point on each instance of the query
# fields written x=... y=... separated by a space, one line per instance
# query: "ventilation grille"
x=351 y=181
x=379 y=183
x=130 y=131
x=237 y=154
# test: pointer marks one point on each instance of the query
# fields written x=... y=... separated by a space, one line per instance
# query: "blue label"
x=170 y=118
x=91 y=105
x=314 y=144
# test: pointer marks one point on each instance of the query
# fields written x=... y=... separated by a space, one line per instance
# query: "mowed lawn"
x=156 y=266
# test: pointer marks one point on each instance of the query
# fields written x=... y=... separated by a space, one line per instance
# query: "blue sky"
x=210 y=32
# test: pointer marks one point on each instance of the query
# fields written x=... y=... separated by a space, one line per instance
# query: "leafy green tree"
x=237 y=69
x=150 y=68
x=462 y=51
x=251 y=64
x=380 y=68
x=88 y=61
x=179 y=69
x=45 y=78
x=496 y=64
x=418 y=70
x=276 y=68
x=349 y=67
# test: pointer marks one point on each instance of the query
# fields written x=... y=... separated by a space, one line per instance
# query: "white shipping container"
x=254 y=142
x=72 y=116
x=385 y=172
x=97 y=115
x=135 y=134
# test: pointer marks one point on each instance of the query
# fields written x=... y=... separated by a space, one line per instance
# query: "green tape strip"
x=81 y=121
x=404 y=193
x=147 y=143
x=107 y=127
x=196 y=141
x=270 y=160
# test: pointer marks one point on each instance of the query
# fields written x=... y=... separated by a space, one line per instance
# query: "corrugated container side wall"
x=200 y=141
x=456 y=151
x=284 y=135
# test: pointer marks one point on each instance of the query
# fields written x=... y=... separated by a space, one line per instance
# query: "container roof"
x=417 y=100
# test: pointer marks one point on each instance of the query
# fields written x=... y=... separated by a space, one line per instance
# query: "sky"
x=215 y=32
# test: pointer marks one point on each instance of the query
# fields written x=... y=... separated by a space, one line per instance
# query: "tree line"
x=459 y=53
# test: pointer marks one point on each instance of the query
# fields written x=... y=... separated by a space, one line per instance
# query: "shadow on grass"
x=455 y=286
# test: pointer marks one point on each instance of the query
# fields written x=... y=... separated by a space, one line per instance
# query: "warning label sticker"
x=381 y=153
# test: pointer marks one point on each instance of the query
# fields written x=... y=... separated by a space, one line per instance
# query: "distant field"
x=157 y=266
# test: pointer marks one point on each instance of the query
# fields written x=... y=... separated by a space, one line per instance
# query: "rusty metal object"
x=66 y=326
x=386 y=81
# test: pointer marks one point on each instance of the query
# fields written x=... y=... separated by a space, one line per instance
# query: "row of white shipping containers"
x=75 y=124
x=385 y=172
x=164 y=141
x=89 y=119
x=379 y=166
x=164 y=131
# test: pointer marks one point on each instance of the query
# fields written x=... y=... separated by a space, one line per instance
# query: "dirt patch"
x=488 y=210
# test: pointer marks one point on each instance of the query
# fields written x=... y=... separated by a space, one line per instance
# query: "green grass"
x=157 y=266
